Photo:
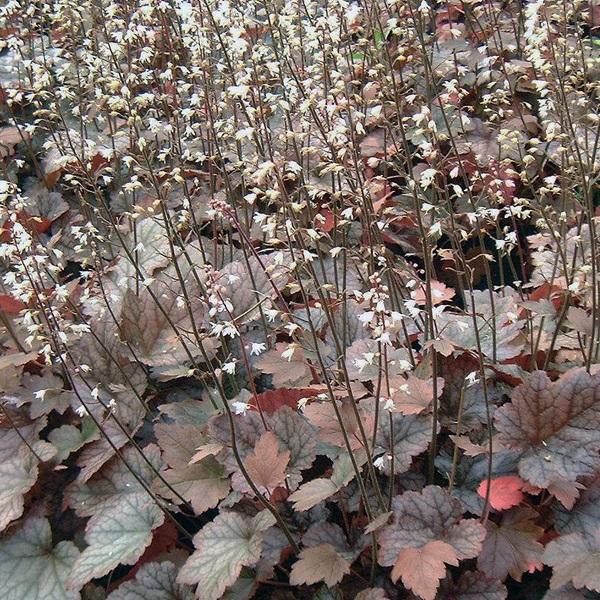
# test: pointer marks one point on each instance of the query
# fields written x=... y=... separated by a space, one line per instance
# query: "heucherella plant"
x=299 y=300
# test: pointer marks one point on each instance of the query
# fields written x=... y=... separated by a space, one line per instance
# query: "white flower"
x=471 y=378
x=289 y=353
x=257 y=348
x=302 y=404
x=388 y=404
x=229 y=367
x=239 y=408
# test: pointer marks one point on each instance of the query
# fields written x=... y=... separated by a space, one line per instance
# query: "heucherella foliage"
x=299 y=299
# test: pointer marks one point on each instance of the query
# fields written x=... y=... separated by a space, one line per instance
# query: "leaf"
x=319 y=563
x=566 y=592
x=271 y=400
x=266 y=465
x=439 y=293
x=422 y=568
x=412 y=395
x=294 y=372
x=471 y=471
x=120 y=478
x=163 y=335
x=18 y=475
x=324 y=532
x=505 y=492
x=323 y=416
x=203 y=483
x=247 y=285
x=474 y=412
x=19 y=465
x=557 y=425
x=296 y=434
x=584 y=517
x=95 y=455
x=53 y=397
x=575 y=558
x=123 y=513
x=512 y=547
x=502 y=339
x=31 y=568
x=116 y=536
x=474 y=585
x=371 y=594
x=223 y=547
x=379 y=522
x=154 y=581
x=188 y=411
x=316 y=490
x=68 y=438
x=9 y=138
x=148 y=245
x=430 y=516
x=292 y=430
x=411 y=436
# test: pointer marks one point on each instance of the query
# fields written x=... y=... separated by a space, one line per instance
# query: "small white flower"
x=229 y=367
x=302 y=404
x=257 y=348
x=239 y=408
x=289 y=353
x=471 y=378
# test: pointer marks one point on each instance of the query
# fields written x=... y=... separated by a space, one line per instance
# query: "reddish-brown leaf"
x=422 y=568
x=266 y=465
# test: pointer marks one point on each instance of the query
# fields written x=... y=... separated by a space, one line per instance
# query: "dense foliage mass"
x=300 y=299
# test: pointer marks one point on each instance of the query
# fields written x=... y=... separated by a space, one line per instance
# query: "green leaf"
x=223 y=547
x=31 y=568
x=116 y=536
x=154 y=581
x=18 y=475
x=123 y=513
x=118 y=479
x=317 y=490
x=68 y=438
